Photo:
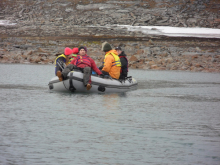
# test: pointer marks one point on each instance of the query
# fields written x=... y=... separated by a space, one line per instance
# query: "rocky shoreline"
x=161 y=53
x=38 y=31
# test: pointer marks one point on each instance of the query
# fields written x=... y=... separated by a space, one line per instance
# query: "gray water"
x=173 y=118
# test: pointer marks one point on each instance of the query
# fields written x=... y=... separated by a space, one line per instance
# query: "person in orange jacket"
x=111 y=64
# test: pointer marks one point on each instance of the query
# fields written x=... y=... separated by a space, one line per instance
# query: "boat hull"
x=74 y=83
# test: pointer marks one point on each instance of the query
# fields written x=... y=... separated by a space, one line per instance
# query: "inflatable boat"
x=74 y=83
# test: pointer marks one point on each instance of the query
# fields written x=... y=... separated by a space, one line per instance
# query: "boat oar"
x=61 y=64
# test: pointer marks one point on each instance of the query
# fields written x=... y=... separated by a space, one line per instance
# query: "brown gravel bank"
x=159 y=53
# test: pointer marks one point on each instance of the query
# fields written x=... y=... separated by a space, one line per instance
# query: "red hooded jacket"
x=85 y=61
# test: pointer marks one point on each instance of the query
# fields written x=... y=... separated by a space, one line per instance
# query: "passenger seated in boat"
x=124 y=63
x=85 y=63
x=111 y=64
x=62 y=60
x=75 y=53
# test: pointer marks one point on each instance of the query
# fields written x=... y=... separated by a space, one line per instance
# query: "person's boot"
x=59 y=75
x=88 y=87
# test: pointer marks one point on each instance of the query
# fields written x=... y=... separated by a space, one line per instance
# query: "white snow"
x=158 y=30
x=6 y=23
x=175 y=31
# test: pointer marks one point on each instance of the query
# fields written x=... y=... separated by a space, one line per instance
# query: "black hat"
x=106 y=47
x=118 y=48
x=83 y=47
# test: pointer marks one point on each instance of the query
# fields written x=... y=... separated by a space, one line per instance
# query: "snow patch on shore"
x=175 y=31
x=7 y=23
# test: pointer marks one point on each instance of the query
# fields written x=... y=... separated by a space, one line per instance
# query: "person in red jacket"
x=85 y=63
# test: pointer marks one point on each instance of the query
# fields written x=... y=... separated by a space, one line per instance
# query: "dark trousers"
x=87 y=71
x=67 y=69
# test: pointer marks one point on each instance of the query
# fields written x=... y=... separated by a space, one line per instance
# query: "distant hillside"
x=37 y=31
x=63 y=17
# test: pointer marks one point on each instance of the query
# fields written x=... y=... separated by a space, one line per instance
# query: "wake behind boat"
x=74 y=83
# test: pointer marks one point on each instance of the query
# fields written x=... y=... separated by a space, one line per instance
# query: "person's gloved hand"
x=105 y=73
x=102 y=75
